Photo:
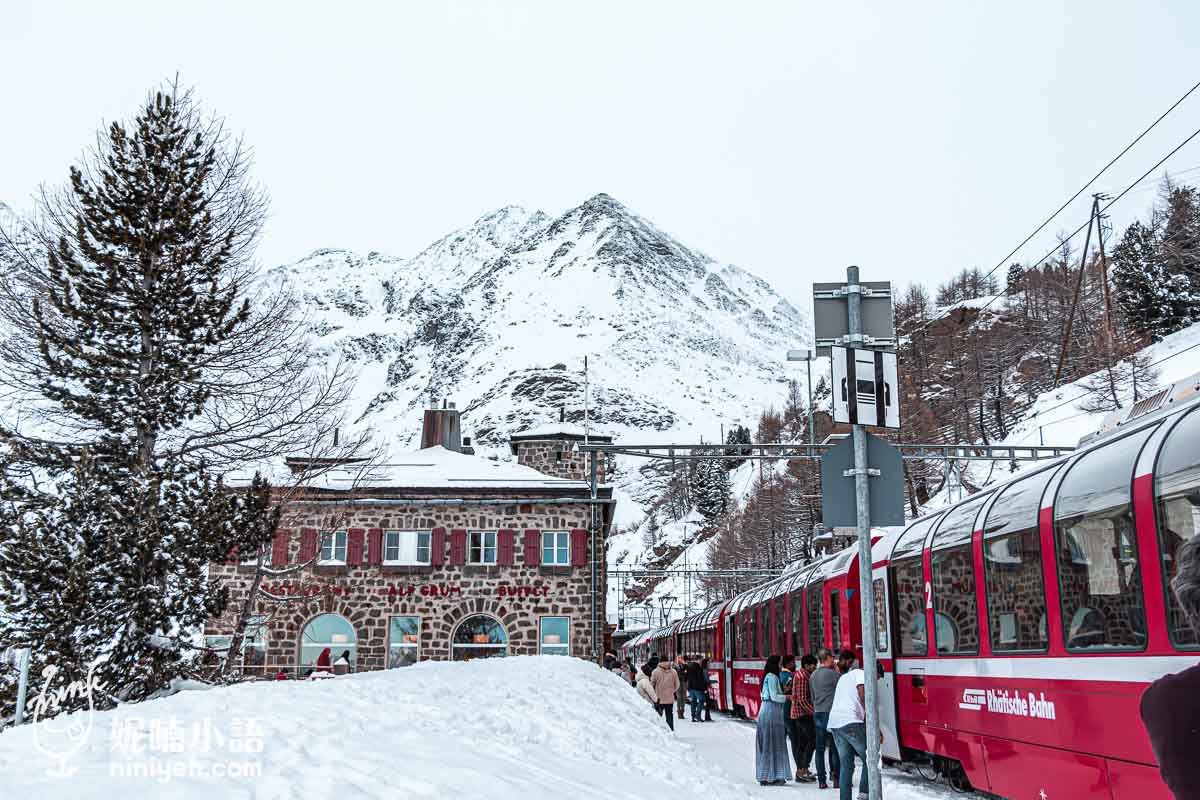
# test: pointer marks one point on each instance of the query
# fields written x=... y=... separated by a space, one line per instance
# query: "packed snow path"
x=727 y=746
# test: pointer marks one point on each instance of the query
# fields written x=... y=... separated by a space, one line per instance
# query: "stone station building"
x=436 y=555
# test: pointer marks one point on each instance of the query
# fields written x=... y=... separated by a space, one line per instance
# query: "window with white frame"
x=406 y=547
x=250 y=558
x=554 y=636
x=254 y=644
x=482 y=548
x=556 y=548
x=404 y=641
x=333 y=547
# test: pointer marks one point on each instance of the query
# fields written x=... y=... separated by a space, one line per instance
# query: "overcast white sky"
x=790 y=138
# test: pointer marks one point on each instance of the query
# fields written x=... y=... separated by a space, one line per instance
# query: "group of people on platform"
x=667 y=686
x=808 y=710
x=817 y=707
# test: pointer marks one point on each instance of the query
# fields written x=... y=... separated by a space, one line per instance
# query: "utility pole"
x=862 y=494
x=1062 y=355
x=1108 y=331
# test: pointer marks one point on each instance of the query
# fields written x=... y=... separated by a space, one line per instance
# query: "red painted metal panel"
x=1054 y=627
x=1159 y=640
x=1131 y=781
x=1020 y=770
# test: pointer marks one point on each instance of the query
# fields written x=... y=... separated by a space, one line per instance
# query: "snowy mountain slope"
x=499 y=315
x=1058 y=417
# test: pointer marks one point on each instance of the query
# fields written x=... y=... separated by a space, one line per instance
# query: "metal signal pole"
x=866 y=595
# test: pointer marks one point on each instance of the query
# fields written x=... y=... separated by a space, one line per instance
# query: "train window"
x=1177 y=497
x=796 y=626
x=881 y=637
x=816 y=619
x=835 y=621
x=953 y=584
x=953 y=571
x=959 y=523
x=779 y=625
x=913 y=540
x=1098 y=573
x=1012 y=567
x=908 y=595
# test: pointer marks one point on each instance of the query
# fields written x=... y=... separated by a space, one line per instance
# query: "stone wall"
x=441 y=596
x=554 y=458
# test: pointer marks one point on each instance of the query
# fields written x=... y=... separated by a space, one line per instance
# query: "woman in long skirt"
x=771 y=764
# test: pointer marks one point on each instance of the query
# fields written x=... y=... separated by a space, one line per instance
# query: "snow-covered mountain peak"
x=498 y=316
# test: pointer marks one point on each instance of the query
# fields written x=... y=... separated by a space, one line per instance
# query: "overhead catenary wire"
x=1075 y=232
x=1094 y=178
x=1090 y=390
x=1084 y=188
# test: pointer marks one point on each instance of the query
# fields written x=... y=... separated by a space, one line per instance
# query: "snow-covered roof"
x=561 y=430
x=436 y=468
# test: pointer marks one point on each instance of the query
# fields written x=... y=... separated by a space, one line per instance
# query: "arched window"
x=327 y=631
x=1099 y=578
x=478 y=637
x=1177 y=492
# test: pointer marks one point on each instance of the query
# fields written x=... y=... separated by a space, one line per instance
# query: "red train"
x=1017 y=629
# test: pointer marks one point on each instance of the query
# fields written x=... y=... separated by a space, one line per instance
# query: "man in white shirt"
x=847 y=723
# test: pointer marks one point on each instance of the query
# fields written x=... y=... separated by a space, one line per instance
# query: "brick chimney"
x=442 y=426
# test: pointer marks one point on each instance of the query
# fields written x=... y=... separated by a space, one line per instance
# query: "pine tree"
x=141 y=288
x=1154 y=301
x=711 y=489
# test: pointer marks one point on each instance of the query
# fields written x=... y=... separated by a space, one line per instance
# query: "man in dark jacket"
x=681 y=695
x=1171 y=706
x=697 y=688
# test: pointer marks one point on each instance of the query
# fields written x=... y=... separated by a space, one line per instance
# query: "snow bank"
x=527 y=727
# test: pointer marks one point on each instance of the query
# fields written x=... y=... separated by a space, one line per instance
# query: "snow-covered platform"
x=727 y=746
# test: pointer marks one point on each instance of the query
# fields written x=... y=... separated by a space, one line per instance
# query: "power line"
x=1088 y=390
x=1084 y=188
x=1075 y=232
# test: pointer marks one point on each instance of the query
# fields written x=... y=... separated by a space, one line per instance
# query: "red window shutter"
x=354 y=546
x=533 y=548
x=279 y=548
x=437 y=547
x=579 y=548
x=506 y=542
x=458 y=547
x=308 y=544
x=375 y=547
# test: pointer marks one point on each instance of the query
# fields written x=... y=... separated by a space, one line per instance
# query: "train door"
x=883 y=650
x=727 y=659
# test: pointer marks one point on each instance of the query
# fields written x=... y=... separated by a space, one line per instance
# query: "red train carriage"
x=1049 y=605
x=1018 y=628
